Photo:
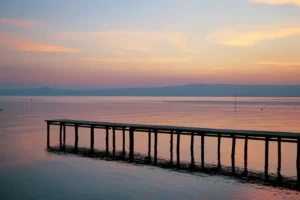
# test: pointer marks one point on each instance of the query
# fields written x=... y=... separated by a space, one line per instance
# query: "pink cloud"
x=19 y=43
x=19 y=23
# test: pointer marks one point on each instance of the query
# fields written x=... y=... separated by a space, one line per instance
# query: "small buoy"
x=262 y=109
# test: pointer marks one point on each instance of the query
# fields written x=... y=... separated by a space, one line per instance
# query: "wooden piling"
x=279 y=157
x=202 y=151
x=48 y=135
x=114 y=140
x=192 y=149
x=155 y=147
x=298 y=160
x=60 y=136
x=246 y=156
x=233 y=153
x=123 y=134
x=267 y=157
x=131 y=143
x=107 y=140
x=149 y=145
x=92 y=139
x=64 y=141
x=178 y=148
x=76 y=138
x=171 y=147
x=219 y=150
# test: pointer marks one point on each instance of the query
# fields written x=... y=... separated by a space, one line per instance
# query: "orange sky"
x=60 y=45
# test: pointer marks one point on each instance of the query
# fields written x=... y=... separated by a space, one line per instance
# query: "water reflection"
x=186 y=167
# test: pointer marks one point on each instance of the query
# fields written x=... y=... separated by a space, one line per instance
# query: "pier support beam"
x=60 y=136
x=48 y=135
x=233 y=154
x=298 y=160
x=202 y=151
x=219 y=150
x=114 y=140
x=246 y=156
x=155 y=147
x=149 y=145
x=76 y=138
x=64 y=141
x=107 y=139
x=279 y=157
x=178 y=148
x=192 y=150
x=267 y=157
x=131 y=143
x=92 y=139
x=171 y=148
x=123 y=134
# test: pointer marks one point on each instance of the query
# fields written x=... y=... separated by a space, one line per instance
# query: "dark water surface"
x=28 y=171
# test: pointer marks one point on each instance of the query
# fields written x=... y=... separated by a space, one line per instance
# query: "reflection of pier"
x=184 y=167
x=278 y=137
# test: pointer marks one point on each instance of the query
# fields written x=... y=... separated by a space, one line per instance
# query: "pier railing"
x=265 y=136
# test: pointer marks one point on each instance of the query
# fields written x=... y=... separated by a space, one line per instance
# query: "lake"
x=28 y=171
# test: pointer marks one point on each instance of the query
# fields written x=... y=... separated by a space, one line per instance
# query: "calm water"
x=27 y=171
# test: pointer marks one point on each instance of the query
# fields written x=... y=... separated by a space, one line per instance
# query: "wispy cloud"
x=19 y=43
x=279 y=63
x=19 y=22
x=141 y=41
x=247 y=38
x=277 y=2
x=136 y=60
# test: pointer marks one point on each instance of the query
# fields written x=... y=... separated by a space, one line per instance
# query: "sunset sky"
x=135 y=43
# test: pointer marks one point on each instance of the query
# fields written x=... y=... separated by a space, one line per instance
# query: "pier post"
x=267 y=157
x=171 y=147
x=76 y=138
x=92 y=139
x=64 y=141
x=107 y=139
x=114 y=140
x=202 y=150
x=279 y=157
x=123 y=131
x=131 y=143
x=155 y=147
x=64 y=135
x=60 y=136
x=48 y=135
x=149 y=145
x=192 y=150
x=178 y=148
x=219 y=150
x=298 y=160
x=246 y=156
x=233 y=154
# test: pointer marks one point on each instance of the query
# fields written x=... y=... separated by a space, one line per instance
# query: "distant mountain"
x=183 y=90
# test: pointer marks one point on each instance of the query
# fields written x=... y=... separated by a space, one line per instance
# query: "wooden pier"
x=193 y=132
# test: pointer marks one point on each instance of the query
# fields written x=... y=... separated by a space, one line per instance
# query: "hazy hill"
x=184 y=90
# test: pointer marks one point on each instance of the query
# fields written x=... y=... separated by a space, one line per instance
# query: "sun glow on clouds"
x=248 y=38
x=139 y=41
x=277 y=2
x=19 y=43
x=279 y=63
x=136 y=60
x=19 y=23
